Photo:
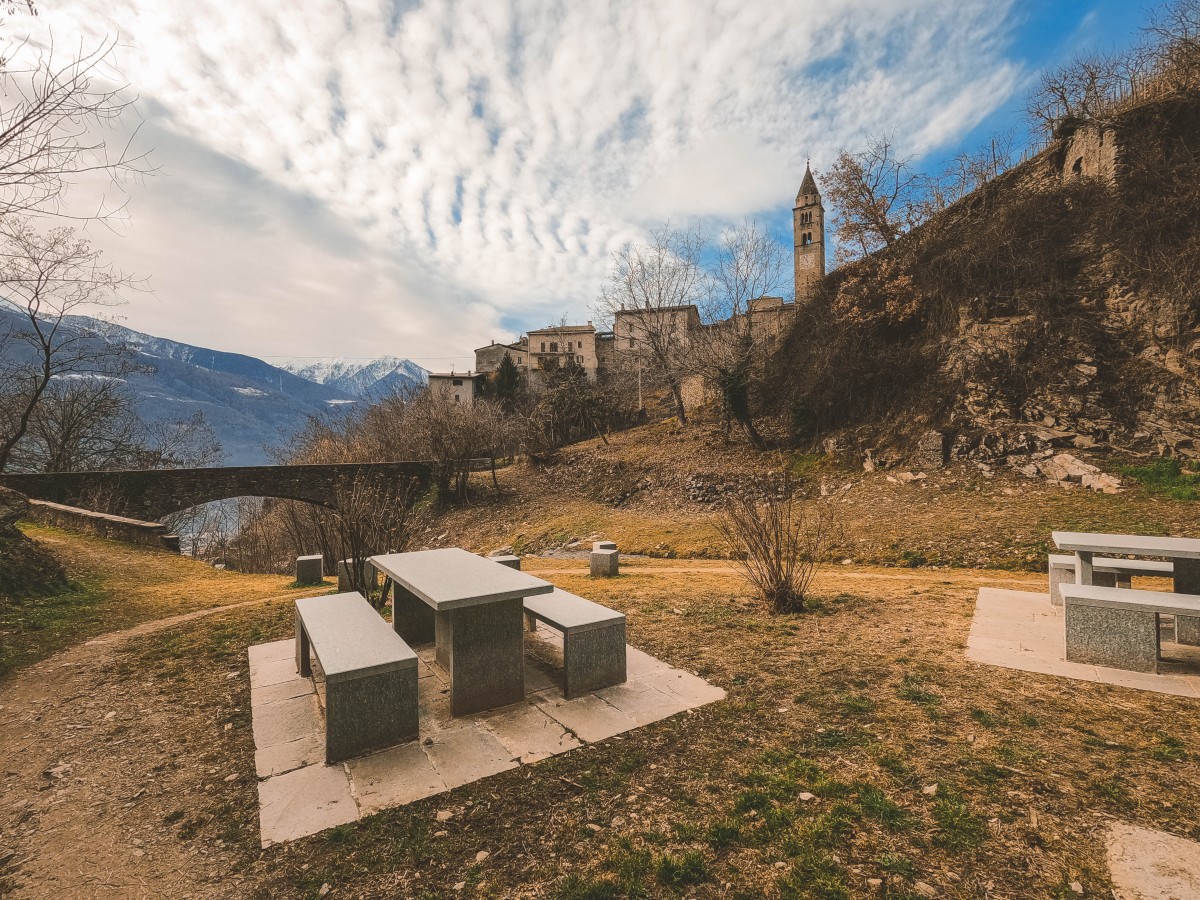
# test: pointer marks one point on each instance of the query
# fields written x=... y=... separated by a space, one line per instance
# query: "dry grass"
x=862 y=703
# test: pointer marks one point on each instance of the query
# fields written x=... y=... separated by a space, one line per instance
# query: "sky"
x=417 y=178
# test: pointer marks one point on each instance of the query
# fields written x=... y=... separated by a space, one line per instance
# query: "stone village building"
x=594 y=351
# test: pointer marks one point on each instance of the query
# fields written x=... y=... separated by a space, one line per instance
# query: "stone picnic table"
x=472 y=609
x=1183 y=552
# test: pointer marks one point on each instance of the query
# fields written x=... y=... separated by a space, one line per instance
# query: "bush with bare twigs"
x=777 y=544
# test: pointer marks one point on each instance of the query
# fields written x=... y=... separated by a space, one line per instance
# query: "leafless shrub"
x=777 y=544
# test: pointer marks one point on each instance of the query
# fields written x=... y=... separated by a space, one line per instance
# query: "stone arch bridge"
x=151 y=494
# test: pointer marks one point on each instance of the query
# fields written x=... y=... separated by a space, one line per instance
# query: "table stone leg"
x=411 y=617
x=1187 y=581
x=486 y=656
x=303 y=668
x=1118 y=638
x=441 y=628
x=1083 y=567
x=1106 y=579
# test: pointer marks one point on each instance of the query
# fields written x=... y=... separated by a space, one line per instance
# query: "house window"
x=543 y=346
x=579 y=359
x=570 y=346
x=553 y=347
x=631 y=343
x=458 y=382
x=456 y=398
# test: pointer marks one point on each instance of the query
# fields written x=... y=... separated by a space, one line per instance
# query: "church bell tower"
x=808 y=231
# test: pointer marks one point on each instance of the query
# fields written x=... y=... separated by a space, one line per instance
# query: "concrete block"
x=1062 y=571
x=303 y=802
x=513 y=562
x=604 y=564
x=1187 y=581
x=370 y=713
x=484 y=653
x=603 y=545
x=1109 y=636
x=593 y=659
x=309 y=569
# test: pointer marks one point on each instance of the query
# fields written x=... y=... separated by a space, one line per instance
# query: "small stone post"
x=367 y=581
x=309 y=569
x=604 y=563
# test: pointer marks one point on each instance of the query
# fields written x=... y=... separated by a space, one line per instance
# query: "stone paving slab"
x=300 y=795
x=304 y=801
x=529 y=735
x=272 y=652
x=589 y=717
x=1023 y=630
x=394 y=777
x=1152 y=865
x=466 y=755
x=283 y=690
x=280 y=758
x=285 y=720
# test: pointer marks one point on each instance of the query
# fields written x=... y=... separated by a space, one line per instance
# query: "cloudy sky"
x=418 y=177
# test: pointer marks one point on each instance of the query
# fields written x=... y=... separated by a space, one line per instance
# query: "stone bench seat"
x=593 y=639
x=1119 y=627
x=1106 y=572
x=370 y=674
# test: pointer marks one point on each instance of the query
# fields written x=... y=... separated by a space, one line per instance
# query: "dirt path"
x=101 y=768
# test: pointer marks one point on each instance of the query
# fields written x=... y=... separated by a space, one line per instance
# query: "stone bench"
x=1119 y=627
x=1106 y=572
x=370 y=674
x=593 y=639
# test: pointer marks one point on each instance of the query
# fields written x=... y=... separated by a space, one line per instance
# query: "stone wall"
x=131 y=531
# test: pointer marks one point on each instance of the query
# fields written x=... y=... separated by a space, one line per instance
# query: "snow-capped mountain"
x=368 y=379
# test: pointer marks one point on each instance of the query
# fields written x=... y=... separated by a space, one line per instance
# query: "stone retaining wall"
x=132 y=531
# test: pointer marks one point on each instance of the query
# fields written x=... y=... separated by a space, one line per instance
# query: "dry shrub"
x=777 y=544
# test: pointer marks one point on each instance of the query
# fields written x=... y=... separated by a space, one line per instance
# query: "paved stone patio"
x=299 y=795
x=1022 y=630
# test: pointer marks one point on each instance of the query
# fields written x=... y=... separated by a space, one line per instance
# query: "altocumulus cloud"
x=364 y=178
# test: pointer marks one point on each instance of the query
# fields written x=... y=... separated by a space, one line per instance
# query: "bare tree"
x=1079 y=91
x=44 y=278
x=966 y=173
x=748 y=265
x=51 y=129
x=1172 y=48
x=652 y=298
x=876 y=196
x=81 y=423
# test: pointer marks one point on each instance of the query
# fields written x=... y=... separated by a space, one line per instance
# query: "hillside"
x=250 y=404
x=1057 y=305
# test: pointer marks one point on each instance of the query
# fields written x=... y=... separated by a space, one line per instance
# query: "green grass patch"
x=33 y=628
x=1165 y=478
x=959 y=828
